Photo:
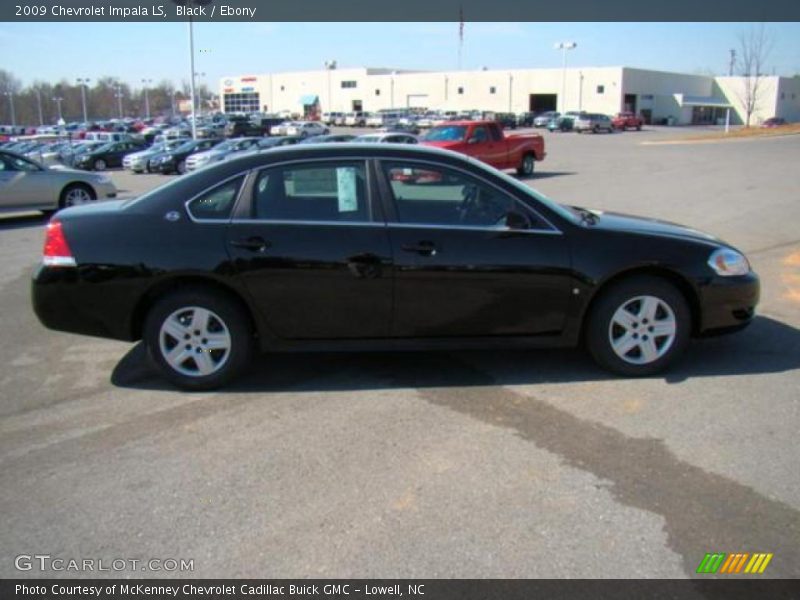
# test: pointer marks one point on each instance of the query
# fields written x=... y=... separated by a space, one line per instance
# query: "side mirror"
x=515 y=220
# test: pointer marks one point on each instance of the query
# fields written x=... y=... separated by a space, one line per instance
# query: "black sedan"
x=107 y=155
x=372 y=246
x=174 y=161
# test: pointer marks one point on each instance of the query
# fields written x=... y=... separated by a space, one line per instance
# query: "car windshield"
x=450 y=133
x=368 y=139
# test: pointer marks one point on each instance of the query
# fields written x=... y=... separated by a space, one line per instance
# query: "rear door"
x=312 y=249
x=24 y=184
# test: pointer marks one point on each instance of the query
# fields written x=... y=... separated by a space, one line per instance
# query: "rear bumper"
x=728 y=303
x=63 y=301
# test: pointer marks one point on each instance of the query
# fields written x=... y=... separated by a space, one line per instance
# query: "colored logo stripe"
x=711 y=563
x=758 y=563
x=734 y=563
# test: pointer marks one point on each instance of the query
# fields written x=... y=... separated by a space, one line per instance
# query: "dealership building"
x=656 y=95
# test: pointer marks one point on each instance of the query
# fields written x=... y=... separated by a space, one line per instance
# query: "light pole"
x=200 y=95
x=118 y=96
x=39 y=104
x=58 y=100
x=11 y=102
x=564 y=46
x=146 y=98
x=330 y=65
x=82 y=81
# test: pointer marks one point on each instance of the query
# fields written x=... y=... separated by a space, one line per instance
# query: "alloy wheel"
x=642 y=330
x=195 y=341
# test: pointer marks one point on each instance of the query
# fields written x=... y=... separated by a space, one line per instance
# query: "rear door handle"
x=254 y=244
x=424 y=248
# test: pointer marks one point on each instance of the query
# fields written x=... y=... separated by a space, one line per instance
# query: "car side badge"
x=172 y=216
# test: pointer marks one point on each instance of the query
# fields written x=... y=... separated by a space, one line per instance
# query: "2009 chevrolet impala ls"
x=363 y=247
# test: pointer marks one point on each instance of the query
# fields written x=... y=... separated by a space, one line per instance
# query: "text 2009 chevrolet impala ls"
x=362 y=247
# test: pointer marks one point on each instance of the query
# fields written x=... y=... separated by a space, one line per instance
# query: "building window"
x=348 y=84
x=460 y=90
x=601 y=89
x=783 y=95
x=282 y=88
x=241 y=102
x=377 y=92
x=492 y=90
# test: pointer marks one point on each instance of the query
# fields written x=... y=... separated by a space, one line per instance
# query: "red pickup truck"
x=486 y=141
x=627 y=120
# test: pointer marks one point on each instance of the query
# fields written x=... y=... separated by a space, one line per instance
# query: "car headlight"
x=728 y=262
x=167 y=158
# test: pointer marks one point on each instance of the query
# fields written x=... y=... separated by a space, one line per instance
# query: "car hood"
x=611 y=221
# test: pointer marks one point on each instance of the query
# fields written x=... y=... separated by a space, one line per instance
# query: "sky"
x=133 y=51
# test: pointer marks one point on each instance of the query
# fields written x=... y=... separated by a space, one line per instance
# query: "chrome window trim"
x=487 y=229
x=227 y=219
x=552 y=231
x=307 y=222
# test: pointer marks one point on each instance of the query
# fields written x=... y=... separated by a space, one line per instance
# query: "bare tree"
x=754 y=49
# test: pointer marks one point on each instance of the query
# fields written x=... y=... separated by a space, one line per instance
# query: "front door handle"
x=253 y=243
x=423 y=248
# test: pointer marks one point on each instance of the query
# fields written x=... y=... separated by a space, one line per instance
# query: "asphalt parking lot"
x=466 y=464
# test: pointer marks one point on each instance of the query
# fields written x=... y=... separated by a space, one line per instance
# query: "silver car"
x=388 y=137
x=138 y=161
x=219 y=152
x=593 y=122
x=27 y=185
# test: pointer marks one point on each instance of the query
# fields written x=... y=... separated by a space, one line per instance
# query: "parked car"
x=355 y=119
x=281 y=128
x=139 y=162
x=28 y=185
x=174 y=161
x=388 y=137
x=331 y=138
x=525 y=119
x=217 y=153
x=565 y=123
x=374 y=120
x=333 y=249
x=544 y=118
x=593 y=122
x=107 y=155
x=251 y=128
x=627 y=120
x=506 y=120
x=329 y=118
x=266 y=144
x=486 y=141
x=306 y=129
x=773 y=122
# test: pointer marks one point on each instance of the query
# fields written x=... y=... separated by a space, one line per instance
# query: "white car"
x=389 y=137
x=282 y=128
x=355 y=119
x=306 y=129
x=374 y=120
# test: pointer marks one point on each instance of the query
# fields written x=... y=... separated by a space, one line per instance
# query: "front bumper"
x=728 y=303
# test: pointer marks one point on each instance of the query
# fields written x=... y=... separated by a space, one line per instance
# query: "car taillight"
x=56 y=249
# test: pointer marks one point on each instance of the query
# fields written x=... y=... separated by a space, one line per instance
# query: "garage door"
x=417 y=101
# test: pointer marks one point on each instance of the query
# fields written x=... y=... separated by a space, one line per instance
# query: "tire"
x=527 y=165
x=646 y=305
x=180 y=168
x=595 y=129
x=223 y=319
x=638 y=128
x=100 y=165
x=76 y=194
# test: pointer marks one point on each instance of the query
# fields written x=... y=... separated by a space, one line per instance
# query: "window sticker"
x=346 y=189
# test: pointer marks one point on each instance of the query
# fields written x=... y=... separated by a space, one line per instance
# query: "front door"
x=313 y=252
x=469 y=259
x=24 y=184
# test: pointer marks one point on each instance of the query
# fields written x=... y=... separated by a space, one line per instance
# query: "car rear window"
x=217 y=203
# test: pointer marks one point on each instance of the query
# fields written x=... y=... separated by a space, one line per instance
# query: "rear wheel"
x=527 y=165
x=76 y=194
x=100 y=165
x=595 y=129
x=199 y=339
x=639 y=326
x=181 y=167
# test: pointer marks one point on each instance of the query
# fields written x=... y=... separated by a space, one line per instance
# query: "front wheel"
x=99 y=165
x=199 y=339
x=181 y=167
x=639 y=326
x=527 y=165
